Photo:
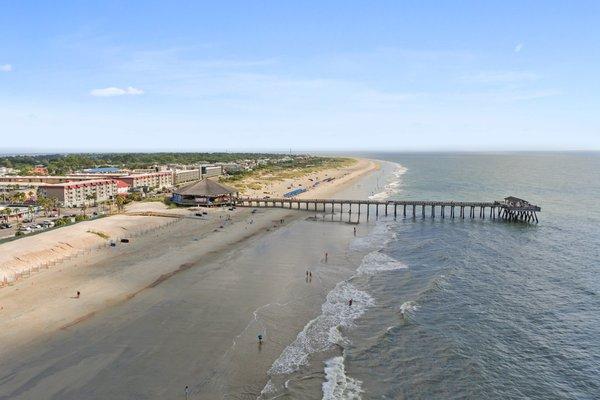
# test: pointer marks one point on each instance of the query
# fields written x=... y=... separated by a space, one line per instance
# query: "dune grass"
x=265 y=174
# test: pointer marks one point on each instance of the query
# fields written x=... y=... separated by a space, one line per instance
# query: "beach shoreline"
x=110 y=276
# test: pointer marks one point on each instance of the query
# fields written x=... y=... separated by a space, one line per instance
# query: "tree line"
x=60 y=164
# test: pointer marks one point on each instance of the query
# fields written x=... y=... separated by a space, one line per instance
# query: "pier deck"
x=511 y=209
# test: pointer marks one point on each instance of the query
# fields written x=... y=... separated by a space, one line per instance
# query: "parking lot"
x=39 y=221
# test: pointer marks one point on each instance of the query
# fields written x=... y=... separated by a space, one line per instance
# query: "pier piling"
x=512 y=209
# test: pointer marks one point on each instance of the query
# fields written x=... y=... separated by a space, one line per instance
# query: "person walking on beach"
x=187 y=392
x=354 y=231
x=78 y=294
x=326 y=257
x=260 y=339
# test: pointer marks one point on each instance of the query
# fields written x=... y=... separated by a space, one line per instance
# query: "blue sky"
x=395 y=75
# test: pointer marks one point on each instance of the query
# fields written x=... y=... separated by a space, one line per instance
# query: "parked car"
x=5 y=225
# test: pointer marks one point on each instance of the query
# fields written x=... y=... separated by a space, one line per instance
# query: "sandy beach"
x=28 y=255
x=215 y=274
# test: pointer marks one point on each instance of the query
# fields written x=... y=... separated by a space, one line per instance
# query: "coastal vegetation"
x=260 y=176
x=60 y=164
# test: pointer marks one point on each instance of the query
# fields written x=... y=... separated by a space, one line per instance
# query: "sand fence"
x=28 y=255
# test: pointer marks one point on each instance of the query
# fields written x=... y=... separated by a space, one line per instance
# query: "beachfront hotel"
x=77 y=194
x=156 y=180
x=47 y=179
x=181 y=176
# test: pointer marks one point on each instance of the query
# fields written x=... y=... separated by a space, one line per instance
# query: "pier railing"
x=508 y=211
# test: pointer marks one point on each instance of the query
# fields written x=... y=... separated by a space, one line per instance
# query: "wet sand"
x=29 y=254
x=193 y=323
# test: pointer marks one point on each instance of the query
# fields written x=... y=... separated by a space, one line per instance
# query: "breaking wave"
x=319 y=334
x=338 y=385
x=376 y=261
x=408 y=307
x=376 y=239
x=393 y=186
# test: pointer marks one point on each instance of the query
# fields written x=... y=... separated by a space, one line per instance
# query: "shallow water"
x=470 y=308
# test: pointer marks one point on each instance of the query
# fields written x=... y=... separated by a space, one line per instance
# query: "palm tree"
x=31 y=213
x=120 y=202
x=16 y=211
x=7 y=211
x=43 y=202
x=54 y=204
x=14 y=197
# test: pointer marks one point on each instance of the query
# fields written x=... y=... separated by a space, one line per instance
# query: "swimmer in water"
x=350 y=303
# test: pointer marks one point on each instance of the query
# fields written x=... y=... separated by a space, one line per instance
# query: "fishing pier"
x=511 y=209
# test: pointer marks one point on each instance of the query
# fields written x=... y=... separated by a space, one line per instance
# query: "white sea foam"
x=393 y=186
x=318 y=335
x=408 y=307
x=376 y=239
x=376 y=261
x=338 y=385
x=268 y=389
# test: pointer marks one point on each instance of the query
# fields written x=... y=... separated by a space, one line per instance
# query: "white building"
x=186 y=176
x=76 y=194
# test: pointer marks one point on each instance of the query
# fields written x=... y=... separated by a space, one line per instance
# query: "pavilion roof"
x=207 y=188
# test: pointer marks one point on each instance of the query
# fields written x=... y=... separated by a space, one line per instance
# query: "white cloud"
x=6 y=68
x=518 y=47
x=115 y=91
x=500 y=77
x=538 y=94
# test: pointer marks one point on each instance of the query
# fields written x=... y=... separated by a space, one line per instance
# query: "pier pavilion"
x=207 y=192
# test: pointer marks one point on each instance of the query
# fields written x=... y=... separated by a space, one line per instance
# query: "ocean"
x=462 y=309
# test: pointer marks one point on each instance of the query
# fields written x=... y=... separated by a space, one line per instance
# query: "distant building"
x=230 y=168
x=208 y=171
x=76 y=194
x=186 y=176
x=103 y=170
x=154 y=180
x=151 y=180
x=6 y=171
x=28 y=189
x=122 y=187
x=204 y=193
x=512 y=201
x=17 y=213
x=45 y=179
x=40 y=170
